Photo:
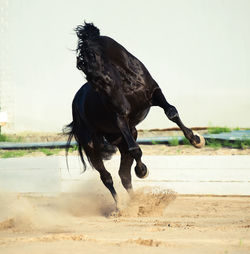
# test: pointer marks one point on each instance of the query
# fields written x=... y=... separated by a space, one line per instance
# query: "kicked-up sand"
x=151 y=221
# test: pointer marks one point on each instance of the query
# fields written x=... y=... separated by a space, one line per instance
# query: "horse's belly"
x=103 y=119
x=106 y=121
x=137 y=117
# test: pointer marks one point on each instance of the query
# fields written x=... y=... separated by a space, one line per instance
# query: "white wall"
x=198 y=52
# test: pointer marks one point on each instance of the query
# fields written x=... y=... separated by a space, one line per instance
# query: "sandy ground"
x=85 y=221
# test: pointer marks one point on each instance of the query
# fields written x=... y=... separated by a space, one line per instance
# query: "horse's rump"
x=83 y=132
x=109 y=66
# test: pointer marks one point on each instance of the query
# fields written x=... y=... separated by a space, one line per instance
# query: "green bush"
x=12 y=154
x=217 y=130
x=154 y=142
x=4 y=138
x=73 y=149
x=49 y=152
x=216 y=144
x=7 y=138
x=173 y=142
x=238 y=144
x=185 y=141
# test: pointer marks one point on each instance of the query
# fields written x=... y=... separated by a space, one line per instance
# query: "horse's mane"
x=86 y=34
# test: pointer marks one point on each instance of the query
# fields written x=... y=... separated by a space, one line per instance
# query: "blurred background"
x=197 y=51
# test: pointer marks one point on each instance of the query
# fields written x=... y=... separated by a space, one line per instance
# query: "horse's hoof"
x=141 y=172
x=201 y=143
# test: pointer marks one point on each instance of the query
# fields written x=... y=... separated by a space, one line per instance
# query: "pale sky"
x=198 y=51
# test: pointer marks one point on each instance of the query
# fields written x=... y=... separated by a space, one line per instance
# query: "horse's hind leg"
x=171 y=112
x=97 y=162
x=125 y=166
x=125 y=170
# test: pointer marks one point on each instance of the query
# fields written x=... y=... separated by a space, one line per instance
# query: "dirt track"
x=150 y=222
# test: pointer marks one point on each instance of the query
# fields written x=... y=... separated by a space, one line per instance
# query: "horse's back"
x=134 y=76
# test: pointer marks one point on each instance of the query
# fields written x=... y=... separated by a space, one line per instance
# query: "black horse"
x=106 y=110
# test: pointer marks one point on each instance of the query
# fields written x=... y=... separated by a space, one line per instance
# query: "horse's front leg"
x=171 y=112
x=133 y=148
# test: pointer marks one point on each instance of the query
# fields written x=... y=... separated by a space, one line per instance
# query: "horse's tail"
x=68 y=130
x=84 y=136
x=87 y=48
x=79 y=131
x=104 y=149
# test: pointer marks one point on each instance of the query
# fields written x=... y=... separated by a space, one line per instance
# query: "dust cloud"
x=145 y=202
x=86 y=220
x=22 y=212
